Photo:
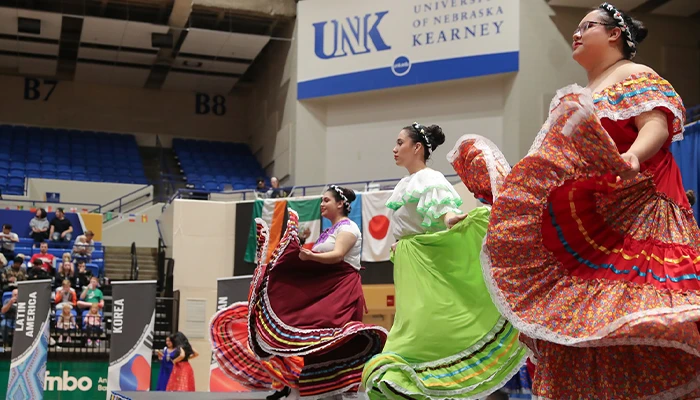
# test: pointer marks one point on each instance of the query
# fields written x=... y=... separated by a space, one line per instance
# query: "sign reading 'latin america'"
x=361 y=45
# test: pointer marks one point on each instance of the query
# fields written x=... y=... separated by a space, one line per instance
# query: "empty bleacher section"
x=213 y=165
x=30 y=152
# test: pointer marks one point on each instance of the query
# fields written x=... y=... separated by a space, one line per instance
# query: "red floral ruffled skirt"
x=600 y=276
x=181 y=379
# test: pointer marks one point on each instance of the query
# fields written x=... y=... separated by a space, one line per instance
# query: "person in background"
x=83 y=276
x=65 y=323
x=66 y=260
x=66 y=294
x=83 y=246
x=182 y=377
x=65 y=273
x=37 y=271
x=12 y=274
x=23 y=258
x=260 y=187
x=166 y=357
x=690 y=194
x=8 y=239
x=92 y=325
x=44 y=256
x=9 y=313
x=40 y=226
x=91 y=295
x=275 y=191
x=61 y=229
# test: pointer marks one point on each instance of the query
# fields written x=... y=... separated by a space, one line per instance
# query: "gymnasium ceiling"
x=190 y=45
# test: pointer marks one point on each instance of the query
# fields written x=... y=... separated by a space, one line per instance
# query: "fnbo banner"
x=228 y=291
x=30 y=305
x=131 y=347
x=74 y=380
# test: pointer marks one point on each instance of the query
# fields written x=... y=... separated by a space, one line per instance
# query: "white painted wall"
x=144 y=234
x=165 y=220
x=87 y=192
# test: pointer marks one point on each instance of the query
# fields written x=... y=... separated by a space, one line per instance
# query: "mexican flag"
x=275 y=213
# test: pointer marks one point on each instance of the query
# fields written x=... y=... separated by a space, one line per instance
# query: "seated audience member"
x=61 y=229
x=24 y=259
x=691 y=197
x=83 y=276
x=8 y=239
x=65 y=323
x=40 y=226
x=66 y=259
x=37 y=271
x=275 y=191
x=9 y=312
x=91 y=295
x=83 y=246
x=65 y=273
x=66 y=294
x=46 y=258
x=260 y=187
x=92 y=324
x=13 y=274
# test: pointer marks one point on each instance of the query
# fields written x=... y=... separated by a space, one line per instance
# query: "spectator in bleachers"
x=91 y=295
x=65 y=273
x=83 y=246
x=61 y=229
x=37 y=271
x=9 y=312
x=40 y=226
x=83 y=276
x=690 y=194
x=92 y=323
x=66 y=259
x=9 y=239
x=260 y=187
x=65 y=323
x=275 y=191
x=23 y=258
x=46 y=258
x=66 y=294
x=13 y=274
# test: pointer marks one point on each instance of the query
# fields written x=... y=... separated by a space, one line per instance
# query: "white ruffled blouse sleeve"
x=432 y=195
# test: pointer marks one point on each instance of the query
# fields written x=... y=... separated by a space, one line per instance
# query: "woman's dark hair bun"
x=639 y=31
x=350 y=194
x=436 y=136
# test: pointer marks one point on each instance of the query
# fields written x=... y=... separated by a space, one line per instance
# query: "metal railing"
x=118 y=203
x=33 y=204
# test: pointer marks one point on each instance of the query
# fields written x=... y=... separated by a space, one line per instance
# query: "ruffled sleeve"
x=433 y=194
x=638 y=94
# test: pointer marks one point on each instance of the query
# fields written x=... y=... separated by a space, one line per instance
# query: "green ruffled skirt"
x=448 y=339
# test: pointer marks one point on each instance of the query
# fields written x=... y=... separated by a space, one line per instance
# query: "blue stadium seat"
x=93 y=268
x=33 y=167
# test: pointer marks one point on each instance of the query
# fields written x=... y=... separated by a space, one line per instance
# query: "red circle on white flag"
x=379 y=226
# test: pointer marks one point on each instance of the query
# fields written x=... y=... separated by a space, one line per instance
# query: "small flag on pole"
x=49 y=209
x=85 y=210
x=73 y=210
x=132 y=217
x=108 y=215
x=144 y=218
x=20 y=207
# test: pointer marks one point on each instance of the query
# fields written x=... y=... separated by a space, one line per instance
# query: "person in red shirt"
x=44 y=256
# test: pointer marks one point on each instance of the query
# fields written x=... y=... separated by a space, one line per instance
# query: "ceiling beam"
x=71 y=30
x=178 y=21
x=648 y=6
x=266 y=8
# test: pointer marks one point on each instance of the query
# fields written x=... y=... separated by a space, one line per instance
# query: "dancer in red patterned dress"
x=593 y=252
x=182 y=377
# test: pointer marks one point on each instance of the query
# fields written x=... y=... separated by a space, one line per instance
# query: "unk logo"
x=353 y=35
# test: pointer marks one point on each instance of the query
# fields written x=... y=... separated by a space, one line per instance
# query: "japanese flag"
x=376 y=227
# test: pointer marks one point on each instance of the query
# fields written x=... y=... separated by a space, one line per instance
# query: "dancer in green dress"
x=448 y=339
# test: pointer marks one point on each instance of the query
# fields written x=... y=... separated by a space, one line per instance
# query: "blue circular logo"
x=401 y=66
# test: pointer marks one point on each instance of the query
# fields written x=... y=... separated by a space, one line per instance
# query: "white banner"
x=360 y=45
x=376 y=227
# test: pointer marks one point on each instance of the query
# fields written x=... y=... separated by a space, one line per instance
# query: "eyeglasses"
x=586 y=25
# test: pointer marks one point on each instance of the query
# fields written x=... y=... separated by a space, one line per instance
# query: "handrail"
x=124 y=196
x=178 y=194
x=51 y=202
x=134 y=263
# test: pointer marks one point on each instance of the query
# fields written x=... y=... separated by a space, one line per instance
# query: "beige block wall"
x=203 y=237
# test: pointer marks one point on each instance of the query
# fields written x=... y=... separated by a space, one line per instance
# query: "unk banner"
x=360 y=45
x=31 y=341
x=228 y=291
x=133 y=318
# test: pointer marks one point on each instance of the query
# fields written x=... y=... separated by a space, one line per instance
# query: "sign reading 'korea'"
x=360 y=45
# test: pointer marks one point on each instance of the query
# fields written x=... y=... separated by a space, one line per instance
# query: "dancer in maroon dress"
x=182 y=377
